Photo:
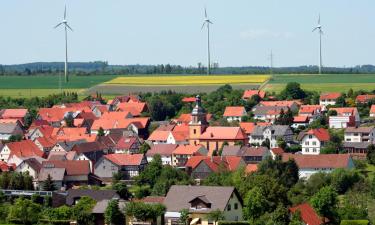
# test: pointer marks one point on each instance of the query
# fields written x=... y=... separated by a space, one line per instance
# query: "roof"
x=57 y=114
x=33 y=163
x=72 y=167
x=248 y=127
x=4 y=167
x=279 y=103
x=364 y=98
x=359 y=129
x=319 y=161
x=188 y=99
x=8 y=128
x=186 y=118
x=329 y=96
x=308 y=214
x=372 y=110
x=46 y=130
x=277 y=151
x=178 y=197
x=72 y=134
x=126 y=142
x=135 y=108
x=97 y=195
x=320 y=133
x=231 y=150
x=159 y=135
x=278 y=130
x=223 y=133
x=254 y=151
x=301 y=119
x=356 y=145
x=88 y=147
x=345 y=110
x=231 y=163
x=113 y=123
x=269 y=110
x=250 y=93
x=187 y=149
x=251 y=168
x=121 y=159
x=46 y=142
x=24 y=148
x=161 y=149
x=309 y=109
x=234 y=111
x=102 y=205
x=14 y=113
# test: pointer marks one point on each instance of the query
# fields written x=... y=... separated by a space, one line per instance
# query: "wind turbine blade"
x=68 y=27
x=319 y=19
x=209 y=21
x=203 y=25
x=205 y=12
x=314 y=29
x=65 y=13
x=57 y=25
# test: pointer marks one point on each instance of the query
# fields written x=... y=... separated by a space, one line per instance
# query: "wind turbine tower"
x=319 y=29
x=207 y=23
x=64 y=22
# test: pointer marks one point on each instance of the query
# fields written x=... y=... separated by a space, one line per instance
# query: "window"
x=310 y=136
x=306 y=143
x=348 y=139
x=314 y=143
x=229 y=207
x=306 y=149
x=314 y=149
x=235 y=206
x=195 y=131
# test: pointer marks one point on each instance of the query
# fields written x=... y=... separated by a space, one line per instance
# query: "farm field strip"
x=324 y=87
x=323 y=78
x=189 y=80
x=28 y=93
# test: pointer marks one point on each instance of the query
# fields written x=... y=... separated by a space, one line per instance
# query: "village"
x=113 y=152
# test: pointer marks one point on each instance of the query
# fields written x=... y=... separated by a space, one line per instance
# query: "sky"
x=244 y=32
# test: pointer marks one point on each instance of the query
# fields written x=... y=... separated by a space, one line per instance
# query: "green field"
x=324 y=82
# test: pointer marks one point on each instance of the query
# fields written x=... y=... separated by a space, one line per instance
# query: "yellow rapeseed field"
x=189 y=80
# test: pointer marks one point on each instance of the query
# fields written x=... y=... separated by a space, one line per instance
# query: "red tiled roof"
x=249 y=93
x=231 y=163
x=223 y=133
x=159 y=135
x=234 y=111
x=320 y=133
x=73 y=167
x=46 y=141
x=135 y=108
x=308 y=214
x=187 y=149
x=372 y=110
x=125 y=159
x=329 y=96
x=309 y=109
x=57 y=114
x=186 y=118
x=279 y=103
x=301 y=119
x=24 y=148
x=126 y=142
x=188 y=99
x=110 y=123
x=14 y=113
x=5 y=167
x=345 y=110
x=162 y=149
x=319 y=161
x=277 y=151
x=72 y=134
x=248 y=127
x=364 y=98
x=250 y=168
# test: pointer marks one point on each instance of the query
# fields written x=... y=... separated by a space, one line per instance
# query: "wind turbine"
x=319 y=28
x=207 y=23
x=64 y=22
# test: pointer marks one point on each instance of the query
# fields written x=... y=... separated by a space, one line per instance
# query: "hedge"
x=54 y=222
x=233 y=223
x=354 y=222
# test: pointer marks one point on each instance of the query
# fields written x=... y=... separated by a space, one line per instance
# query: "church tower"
x=198 y=123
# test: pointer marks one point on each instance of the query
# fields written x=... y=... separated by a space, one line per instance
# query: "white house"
x=359 y=134
x=311 y=164
x=32 y=166
x=346 y=117
x=234 y=113
x=313 y=140
x=164 y=150
x=329 y=98
x=272 y=133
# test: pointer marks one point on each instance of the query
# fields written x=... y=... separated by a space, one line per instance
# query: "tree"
x=332 y=113
x=293 y=90
x=342 y=179
x=325 y=202
x=184 y=217
x=69 y=120
x=280 y=216
x=25 y=211
x=82 y=210
x=296 y=219
x=101 y=132
x=215 y=215
x=144 y=148
x=281 y=143
x=373 y=187
x=255 y=204
x=370 y=156
x=15 y=138
x=151 y=172
x=113 y=214
x=48 y=184
x=143 y=211
x=122 y=190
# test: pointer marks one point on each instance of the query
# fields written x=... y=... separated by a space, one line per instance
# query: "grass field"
x=324 y=82
x=190 y=80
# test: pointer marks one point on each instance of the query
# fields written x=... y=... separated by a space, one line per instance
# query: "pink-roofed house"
x=329 y=98
x=234 y=113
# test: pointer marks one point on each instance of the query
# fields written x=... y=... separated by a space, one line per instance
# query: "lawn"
x=29 y=92
x=189 y=80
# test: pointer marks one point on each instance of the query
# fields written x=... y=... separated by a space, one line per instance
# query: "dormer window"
x=200 y=202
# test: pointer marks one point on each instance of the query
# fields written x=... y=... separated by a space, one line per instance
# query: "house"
x=9 y=129
x=128 y=145
x=200 y=167
x=35 y=132
x=32 y=166
x=185 y=118
x=358 y=150
x=372 y=111
x=18 y=114
x=308 y=214
x=253 y=155
x=311 y=110
x=329 y=98
x=311 y=164
x=135 y=108
x=346 y=117
x=161 y=137
x=99 y=110
x=128 y=166
x=271 y=133
x=249 y=127
x=188 y=99
x=247 y=94
x=72 y=134
x=292 y=104
x=268 y=113
x=90 y=151
x=57 y=176
x=164 y=150
x=276 y=152
x=65 y=146
x=184 y=152
x=300 y=121
x=234 y=150
x=68 y=173
x=251 y=168
x=201 y=200
x=73 y=195
x=56 y=116
x=362 y=99
x=234 y=113
x=111 y=123
x=6 y=167
x=45 y=143
x=15 y=152
x=359 y=134
x=313 y=140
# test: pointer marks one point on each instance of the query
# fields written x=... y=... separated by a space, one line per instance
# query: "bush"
x=233 y=223
x=354 y=222
x=54 y=222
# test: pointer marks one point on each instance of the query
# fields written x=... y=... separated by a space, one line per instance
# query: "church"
x=212 y=137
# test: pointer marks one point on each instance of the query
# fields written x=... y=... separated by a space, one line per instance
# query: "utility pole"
x=271 y=63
